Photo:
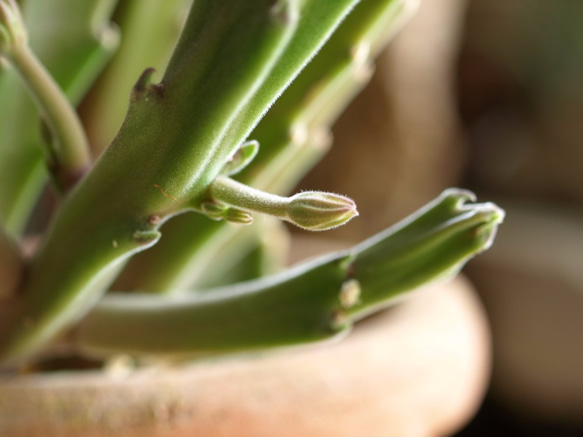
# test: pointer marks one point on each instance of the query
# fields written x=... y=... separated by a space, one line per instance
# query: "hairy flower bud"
x=318 y=211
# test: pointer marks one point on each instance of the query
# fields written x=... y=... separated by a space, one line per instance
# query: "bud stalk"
x=310 y=210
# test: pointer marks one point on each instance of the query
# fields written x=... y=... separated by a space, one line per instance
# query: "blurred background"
x=488 y=95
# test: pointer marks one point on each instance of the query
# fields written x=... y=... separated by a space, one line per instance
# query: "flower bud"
x=214 y=211
x=318 y=211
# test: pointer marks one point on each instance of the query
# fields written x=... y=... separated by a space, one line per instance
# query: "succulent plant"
x=240 y=113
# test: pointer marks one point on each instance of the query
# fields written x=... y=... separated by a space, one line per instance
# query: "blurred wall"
x=520 y=94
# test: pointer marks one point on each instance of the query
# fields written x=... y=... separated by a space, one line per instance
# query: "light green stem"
x=237 y=194
x=150 y=29
x=311 y=103
x=74 y=52
x=71 y=153
x=166 y=154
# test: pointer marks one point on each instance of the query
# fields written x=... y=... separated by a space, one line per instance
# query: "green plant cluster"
x=247 y=93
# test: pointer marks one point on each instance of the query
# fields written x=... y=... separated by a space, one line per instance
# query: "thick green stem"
x=432 y=244
x=166 y=155
x=310 y=302
x=150 y=30
x=293 y=135
x=297 y=307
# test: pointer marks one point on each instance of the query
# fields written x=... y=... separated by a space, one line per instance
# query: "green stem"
x=74 y=52
x=311 y=302
x=310 y=104
x=166 y=154
x=237 y=194
x=278 y=311
x=150 y=30
x=71 y=154
x=432 y=244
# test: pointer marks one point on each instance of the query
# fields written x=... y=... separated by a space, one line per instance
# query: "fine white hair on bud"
x=319 y=211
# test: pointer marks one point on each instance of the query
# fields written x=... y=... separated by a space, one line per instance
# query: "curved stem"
x=166 y=154
x=71 y=155
x=243 y=196
x=310 y=302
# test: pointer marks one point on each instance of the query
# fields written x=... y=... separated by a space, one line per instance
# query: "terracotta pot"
x=418 y=369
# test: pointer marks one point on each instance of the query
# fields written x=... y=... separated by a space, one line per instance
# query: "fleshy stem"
x=153 y=163
x=310 y=210
x=69 y=158
x=294 y=135
x=314 y=301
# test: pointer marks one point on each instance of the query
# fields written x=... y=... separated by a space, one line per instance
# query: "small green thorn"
x=241 y=158
x=458 y=197
x=144 y=84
